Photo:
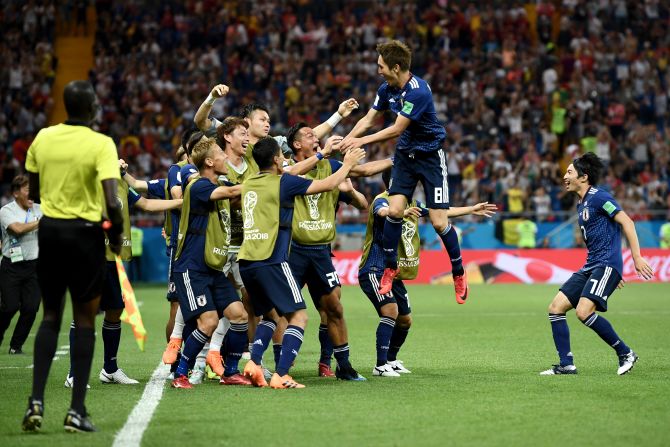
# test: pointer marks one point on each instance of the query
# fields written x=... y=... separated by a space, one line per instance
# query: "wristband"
x=334 y=119
x=319 y=156
x=210 y=100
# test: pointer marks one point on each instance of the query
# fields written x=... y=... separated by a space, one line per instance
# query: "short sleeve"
x=174 y=176
x=344 y=197
x=133 y=197
x=381 y=100
x=335 y=165
x=31 y=159
x=416 y=102
x=107 y=163
x=156 y=188
x=608 y=205
x=378 y=204
x=201 y=191
x=6 y=218
x=422 y=207
x=291 y=186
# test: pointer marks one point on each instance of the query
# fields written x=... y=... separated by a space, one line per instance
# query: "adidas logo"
x=294 y=352
x=259 y=342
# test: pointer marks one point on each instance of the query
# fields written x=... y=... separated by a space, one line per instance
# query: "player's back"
x=601 y=233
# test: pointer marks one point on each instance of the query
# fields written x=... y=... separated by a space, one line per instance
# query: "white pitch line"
x=138 y=420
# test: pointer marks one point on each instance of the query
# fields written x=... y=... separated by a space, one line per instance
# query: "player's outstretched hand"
x=349 y=143
x=346 y=107
x=643 y=269
x=219 y=91
x=332 y=143
x=353 y=156
x=123 y=165
x=346 y=186
x=413 y=211
x=485 y=209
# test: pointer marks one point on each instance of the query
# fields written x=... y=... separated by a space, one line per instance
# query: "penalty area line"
x=138 y=420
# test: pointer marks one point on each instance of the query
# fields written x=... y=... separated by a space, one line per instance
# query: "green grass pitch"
x=475 y=381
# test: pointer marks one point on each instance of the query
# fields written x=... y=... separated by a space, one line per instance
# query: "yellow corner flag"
x=131 y=313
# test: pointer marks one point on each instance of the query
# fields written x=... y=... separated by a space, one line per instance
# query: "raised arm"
x=201 y=118
x=643 y=269
x=344 y=110
x=371 y=168
x=156 y=205
x=358 y=200
x=485 y=209
x=303 y=167
x=331 y=182
x=401 y=123
x=363 y=124
x=137 y=185
x=226 y=192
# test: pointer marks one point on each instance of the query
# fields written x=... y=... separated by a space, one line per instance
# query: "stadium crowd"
x=520 y=93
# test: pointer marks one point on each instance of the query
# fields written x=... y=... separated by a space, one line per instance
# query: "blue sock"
x=194 y=344
x=189 y=327
x=71 y=335
x=397 y=340
x=291 y=343
x=392 y=230
x=276 y=350
x=111 y=337
x=262 y=338
x=604 y=329
x=235 y=341
x=561 y=333
x=450 y=241
x=384 y=331
x=326 y=345
x=342 y=355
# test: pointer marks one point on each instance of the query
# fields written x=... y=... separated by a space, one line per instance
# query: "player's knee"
x=559 y=305
x=403 y=321
x=323 y=316
x=236 y=313
x=440 y=224
x=583 y=312
x=208 y=322
x=389 y=310
x=299 y=319
x=333 y=307
x=113 y=315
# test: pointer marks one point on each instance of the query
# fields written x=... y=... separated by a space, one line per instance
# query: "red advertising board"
x=538 y=266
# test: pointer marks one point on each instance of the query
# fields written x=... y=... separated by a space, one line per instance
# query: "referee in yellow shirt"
x=69 y=166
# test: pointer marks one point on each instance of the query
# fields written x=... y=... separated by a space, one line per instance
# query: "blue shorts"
x=429 y=168
x=314 y=267
x=172 y=291
x=272 y=287
x=369 y=283
x=597 y=285
x=203 y=291
x=112 y=297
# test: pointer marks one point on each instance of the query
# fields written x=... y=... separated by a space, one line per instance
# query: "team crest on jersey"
x=201 y=300
x=585 y=214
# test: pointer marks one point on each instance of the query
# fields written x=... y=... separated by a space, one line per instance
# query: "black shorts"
x=171 y=291
x=112 y=296
x=429 y=168
x=272 y=287
x=369 y=283
x=72 y=256
x=19 y=289
x=597 y=285
x=200 y=292
x=314 y=267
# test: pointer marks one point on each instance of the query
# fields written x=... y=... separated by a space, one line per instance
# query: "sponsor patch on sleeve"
x=407 y=107
x=609 y=207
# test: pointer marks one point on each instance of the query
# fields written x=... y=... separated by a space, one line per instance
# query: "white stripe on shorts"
x=297 y=296
x=189 y=291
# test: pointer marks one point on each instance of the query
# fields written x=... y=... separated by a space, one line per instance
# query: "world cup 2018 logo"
x=408 y=232
x=249 y=203
x=225 y=219
x=313 y=204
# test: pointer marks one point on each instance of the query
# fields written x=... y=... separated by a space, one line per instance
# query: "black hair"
x=192 y=141
x=80 y=101
x=591 y=165
x=248 y=109
x=186 y=135
x=293 y=132
x=264 y=152
x=386 y=178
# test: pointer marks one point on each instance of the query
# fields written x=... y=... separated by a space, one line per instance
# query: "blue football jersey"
x=415 y=102
x=601 y=233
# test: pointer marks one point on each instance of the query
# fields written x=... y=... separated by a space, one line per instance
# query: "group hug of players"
x=253 y=229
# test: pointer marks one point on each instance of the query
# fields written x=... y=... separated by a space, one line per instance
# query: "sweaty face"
x=386 y=72
x=219 y=159
x=238 y=140
x=571 y=179
x=259 y=124
x=309 y=143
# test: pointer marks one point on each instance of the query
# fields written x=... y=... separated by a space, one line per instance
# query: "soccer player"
x=267 y=206
x=601 y=220
x=70 y=166
x=419 y=157
x=111 y=301
x=393 y=308
x=204 y=292
x=310 y=257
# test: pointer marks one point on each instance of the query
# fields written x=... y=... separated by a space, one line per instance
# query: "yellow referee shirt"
x=72 y=160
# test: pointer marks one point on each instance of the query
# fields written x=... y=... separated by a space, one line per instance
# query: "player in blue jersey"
x=419 y=157
x=601 y=220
